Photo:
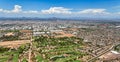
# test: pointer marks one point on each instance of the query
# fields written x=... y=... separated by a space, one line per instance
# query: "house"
x=112 y=55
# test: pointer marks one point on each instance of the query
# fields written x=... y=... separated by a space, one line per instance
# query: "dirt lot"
x=14 y=44
x=63 y=34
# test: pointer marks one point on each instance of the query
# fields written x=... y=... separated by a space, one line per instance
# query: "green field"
x=47 y=50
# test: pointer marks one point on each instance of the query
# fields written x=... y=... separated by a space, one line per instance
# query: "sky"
x=60 y=8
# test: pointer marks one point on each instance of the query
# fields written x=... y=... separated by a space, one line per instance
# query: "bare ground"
x=13 y=44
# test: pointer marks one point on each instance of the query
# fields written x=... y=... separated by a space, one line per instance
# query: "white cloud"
x=1 y=10
x=17 y=9
x=4 y=11
x=57 y=10
x=94 y=11
x=31 y=12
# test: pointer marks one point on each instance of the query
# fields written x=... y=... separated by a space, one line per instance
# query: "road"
x=30 y=50
x=105 y=51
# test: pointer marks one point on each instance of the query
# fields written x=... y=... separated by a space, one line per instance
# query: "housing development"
x=59 y=40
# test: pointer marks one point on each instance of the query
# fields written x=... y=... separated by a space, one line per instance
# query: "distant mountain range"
x=61 y=19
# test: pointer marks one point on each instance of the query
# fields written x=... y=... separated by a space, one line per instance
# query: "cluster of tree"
x=117 y=48
x=3 y=49
x=63 y=45
x=9 y=38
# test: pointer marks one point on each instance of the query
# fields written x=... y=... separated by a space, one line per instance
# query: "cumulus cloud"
x=17 y=9
x=57 y=10
x=94 y=11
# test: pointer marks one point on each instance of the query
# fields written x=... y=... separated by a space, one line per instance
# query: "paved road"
x=105 y=51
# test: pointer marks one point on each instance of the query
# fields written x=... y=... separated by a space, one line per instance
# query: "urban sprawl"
x=59 y=41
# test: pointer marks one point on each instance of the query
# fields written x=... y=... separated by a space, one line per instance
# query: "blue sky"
x=59 y=8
